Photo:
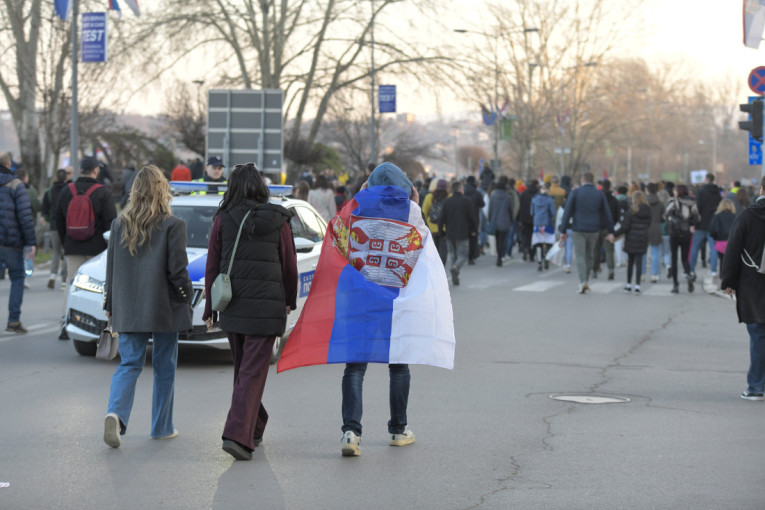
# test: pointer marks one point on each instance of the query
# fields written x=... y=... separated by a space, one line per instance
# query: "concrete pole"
x=74 y=129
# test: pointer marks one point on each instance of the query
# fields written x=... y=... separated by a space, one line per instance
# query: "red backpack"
x=80 y=219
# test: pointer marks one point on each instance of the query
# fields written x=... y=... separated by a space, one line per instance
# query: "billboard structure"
x=246 y=126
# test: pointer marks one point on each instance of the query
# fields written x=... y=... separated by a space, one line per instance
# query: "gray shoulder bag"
x=220 y=292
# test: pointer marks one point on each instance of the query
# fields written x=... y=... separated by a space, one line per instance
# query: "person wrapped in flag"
x=379 y=295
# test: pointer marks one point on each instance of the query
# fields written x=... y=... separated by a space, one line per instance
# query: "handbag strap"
x=236 y=243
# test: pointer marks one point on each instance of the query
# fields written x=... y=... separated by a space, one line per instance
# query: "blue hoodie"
x=543 y=211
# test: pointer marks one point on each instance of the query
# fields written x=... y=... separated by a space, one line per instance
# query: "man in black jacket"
x=50 y=199
x=461 y=221
x=76 y=252
x=472 y=193
x=708 y=197
x=602 y=242
x=741 y=277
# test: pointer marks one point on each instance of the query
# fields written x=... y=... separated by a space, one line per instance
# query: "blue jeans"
x=353 y=383
x=164 y=358
x=569 y=247
x=665 y=251
x=655 y=260
x=511 y=238
x=483 y=231
x=14 y=260
x=755 y=378
x=699 y=238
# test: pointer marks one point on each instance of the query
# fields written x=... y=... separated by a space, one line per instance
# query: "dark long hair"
x=244 y=183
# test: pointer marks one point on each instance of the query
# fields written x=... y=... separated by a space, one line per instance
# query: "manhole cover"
x=591 y=399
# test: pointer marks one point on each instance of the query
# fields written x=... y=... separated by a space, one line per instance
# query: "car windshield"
x=198 y=223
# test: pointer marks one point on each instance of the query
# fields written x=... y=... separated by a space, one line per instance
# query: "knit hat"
x=442 y=184
x=388 y=174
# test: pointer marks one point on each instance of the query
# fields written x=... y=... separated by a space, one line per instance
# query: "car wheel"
x=277 y=350
x=85 y=348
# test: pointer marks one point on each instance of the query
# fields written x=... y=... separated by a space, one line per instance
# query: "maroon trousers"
x=247 y=417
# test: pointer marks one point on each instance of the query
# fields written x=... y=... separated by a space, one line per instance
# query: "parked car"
x=85 y=316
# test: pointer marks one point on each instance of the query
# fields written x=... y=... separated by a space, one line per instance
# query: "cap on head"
x=442 y=184
x=388 y=174
x=215 y=161
x=88 y=164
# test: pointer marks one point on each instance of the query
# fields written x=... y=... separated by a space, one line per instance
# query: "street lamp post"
x=373 y=155
x=496 y=166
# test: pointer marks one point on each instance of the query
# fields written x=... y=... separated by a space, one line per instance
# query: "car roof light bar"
x=188 y=187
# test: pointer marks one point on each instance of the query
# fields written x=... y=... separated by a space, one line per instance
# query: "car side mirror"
x=304 y=245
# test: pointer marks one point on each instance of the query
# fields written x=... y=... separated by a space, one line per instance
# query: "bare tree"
x=186 y=115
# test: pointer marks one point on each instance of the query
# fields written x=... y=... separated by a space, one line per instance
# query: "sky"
x=703 y=37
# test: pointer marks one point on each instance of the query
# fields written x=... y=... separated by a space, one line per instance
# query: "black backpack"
x=679 y=222
x=435 y=211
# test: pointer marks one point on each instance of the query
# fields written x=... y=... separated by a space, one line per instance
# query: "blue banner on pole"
x=387 y=98
x=755 y=147
x=93 y=37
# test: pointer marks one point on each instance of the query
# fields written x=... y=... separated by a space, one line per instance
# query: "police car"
x=85 y=317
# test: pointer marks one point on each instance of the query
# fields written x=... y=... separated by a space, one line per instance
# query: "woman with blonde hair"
x=637 y=221
x=147 y=293
x=719 y=227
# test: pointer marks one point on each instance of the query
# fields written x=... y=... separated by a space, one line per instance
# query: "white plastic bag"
x=556 y=254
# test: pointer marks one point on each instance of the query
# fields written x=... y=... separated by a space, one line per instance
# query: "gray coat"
x=151 y=291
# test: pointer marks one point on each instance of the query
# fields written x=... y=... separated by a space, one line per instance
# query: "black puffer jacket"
x=707 y=199
x=657 y=211
x=747 y=233
x=635 y=226
x=17 y=228
x=258 y=306
x=719 y=227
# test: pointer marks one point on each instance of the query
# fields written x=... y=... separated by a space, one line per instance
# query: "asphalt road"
x=488 y=435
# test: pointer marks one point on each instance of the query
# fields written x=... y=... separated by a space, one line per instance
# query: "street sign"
x=757 y=80
x=755 y=147
x=506 y=129
x=245 y=126
x=386 y=96
x=93 y=37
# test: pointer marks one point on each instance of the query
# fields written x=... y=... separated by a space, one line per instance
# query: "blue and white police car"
x=85 y=317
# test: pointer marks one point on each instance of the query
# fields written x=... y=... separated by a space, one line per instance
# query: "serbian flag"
x=379 y=293
x=133 y=4
x=63 y=8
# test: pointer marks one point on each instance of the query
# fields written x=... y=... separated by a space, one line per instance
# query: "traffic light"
x=754 y=124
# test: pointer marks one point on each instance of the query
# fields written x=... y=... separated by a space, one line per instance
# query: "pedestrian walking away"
x=634 y=227
x=257 y=237
x=500 y=216
x=477 y=200
x=147 y=294
x=322 y=198
x=543 y=237
x=708 y=198
x=654 y=230
x=50 y=200
x=17 y=238
x=681 y=215
x=431 y=211
x=460 y=219
x=742 y=276
x=719 y=227
x=587 y=209
x=602 y=244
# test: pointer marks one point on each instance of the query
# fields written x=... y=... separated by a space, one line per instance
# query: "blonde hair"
x=148 y=207
x=638 y=199
x=726 y=204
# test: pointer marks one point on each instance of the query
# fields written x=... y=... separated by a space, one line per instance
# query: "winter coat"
x=323 y=200
x=103 y=209
x=684 y=210
x=260 y=296
x=613 y=207
x=459 y=216
x=558 y=194
x=427 y=205
x=657 y=211
x=151 y=290
x=49 y=201
x=475 y=197
x=635 y=229
x=543 y=211
x=587 y=209
x=719 y=227
x=17 y=227
x=747 y=233
x=707 y=199
x=524 y=216
x=500 y=211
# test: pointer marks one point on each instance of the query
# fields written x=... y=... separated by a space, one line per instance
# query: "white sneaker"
x=350 y=444
x=568 y=269
x=171 y=435
x=402 y=439
x=112 y=430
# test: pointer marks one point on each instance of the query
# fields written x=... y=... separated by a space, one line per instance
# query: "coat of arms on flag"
x=379 y=293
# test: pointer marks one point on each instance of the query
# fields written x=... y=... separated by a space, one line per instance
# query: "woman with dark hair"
x=681 y=216
x=635 y=227
x=147 y=293
x=264 y=289
x=322 y=198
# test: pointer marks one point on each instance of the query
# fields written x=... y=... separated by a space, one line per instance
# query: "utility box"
x=246 y=126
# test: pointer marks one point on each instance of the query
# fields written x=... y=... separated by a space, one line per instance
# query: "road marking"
x=34 y=330
x=604 y=288
x=539 y=286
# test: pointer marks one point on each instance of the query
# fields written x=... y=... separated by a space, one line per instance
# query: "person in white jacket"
x=322 y=198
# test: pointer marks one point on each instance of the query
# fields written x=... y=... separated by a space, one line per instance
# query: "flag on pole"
x=63 y=8
x=379 y=293
x=489 y=117
x=541 y=175
x=133 y=4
